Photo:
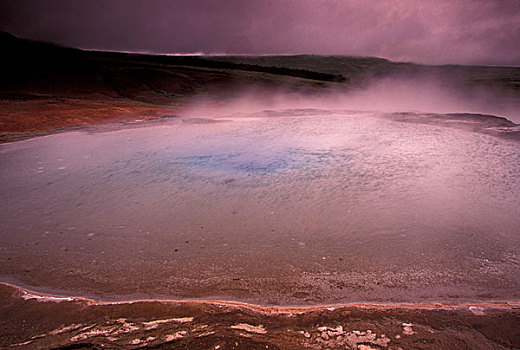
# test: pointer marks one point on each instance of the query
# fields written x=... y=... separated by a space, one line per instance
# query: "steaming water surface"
x=294 y=209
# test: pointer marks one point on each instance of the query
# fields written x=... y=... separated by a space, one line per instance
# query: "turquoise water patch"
x=266 y=163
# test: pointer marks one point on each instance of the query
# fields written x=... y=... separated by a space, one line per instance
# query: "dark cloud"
x=427 y=31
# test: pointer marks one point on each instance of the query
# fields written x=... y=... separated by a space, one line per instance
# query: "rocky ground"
x=35 y=321
x=21 y=119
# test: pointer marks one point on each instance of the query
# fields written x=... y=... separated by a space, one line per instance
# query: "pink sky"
x=426 y=31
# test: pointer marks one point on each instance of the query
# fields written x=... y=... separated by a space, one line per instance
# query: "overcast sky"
x=424 y=31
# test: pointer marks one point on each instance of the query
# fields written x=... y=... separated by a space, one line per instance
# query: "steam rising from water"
x=392 y=94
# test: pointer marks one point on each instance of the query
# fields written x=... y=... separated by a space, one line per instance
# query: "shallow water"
x=292 y=207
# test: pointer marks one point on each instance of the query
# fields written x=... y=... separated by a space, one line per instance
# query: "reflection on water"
x=291 y=209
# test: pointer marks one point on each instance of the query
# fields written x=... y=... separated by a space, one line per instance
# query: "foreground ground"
x=35 y=321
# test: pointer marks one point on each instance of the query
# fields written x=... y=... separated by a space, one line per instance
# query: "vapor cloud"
x=427 y=31
x=386 y=95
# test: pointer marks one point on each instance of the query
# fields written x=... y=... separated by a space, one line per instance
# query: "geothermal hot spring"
x=285 y=207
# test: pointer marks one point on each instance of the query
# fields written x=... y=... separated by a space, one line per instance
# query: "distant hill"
x=34 y=69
